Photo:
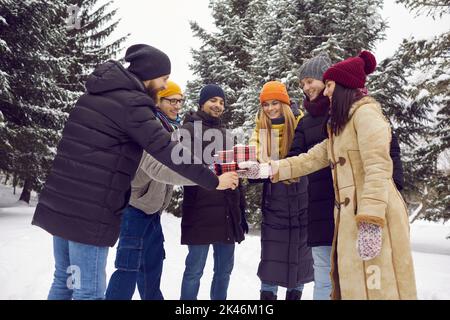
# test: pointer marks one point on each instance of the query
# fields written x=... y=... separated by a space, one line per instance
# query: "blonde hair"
x=263 y=122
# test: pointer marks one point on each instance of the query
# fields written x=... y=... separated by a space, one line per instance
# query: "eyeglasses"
x=174 y=102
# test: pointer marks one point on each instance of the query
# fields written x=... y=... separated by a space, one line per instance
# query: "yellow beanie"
x=172 y=88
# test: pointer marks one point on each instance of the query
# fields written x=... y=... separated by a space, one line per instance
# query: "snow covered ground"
x=26 y=259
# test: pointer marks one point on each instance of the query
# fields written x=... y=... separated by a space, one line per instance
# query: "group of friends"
x=331 y=208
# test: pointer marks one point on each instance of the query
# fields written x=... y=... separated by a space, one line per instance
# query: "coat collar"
x=363 y=101
x=366 y=100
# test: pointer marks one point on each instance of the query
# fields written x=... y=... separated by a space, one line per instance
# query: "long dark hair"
x=343 y=99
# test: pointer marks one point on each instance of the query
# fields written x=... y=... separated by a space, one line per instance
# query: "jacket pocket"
x=357 y=167
x=129 y=254
x=348 y=201
x=152 y=196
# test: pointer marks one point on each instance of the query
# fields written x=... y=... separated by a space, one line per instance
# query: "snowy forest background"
x=45 y=60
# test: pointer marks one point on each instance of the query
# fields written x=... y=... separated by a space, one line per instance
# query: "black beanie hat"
x=147 y=62
x=210 y=91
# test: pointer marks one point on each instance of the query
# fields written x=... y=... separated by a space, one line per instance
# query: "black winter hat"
x=210 y=91
x=147 y=62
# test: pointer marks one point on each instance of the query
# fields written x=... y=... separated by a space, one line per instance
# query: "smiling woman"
x=285 y=258
x=312 y=87
x=272 y=108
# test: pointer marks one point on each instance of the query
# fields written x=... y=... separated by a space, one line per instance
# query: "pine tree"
x=258 y=41
x=224 y=58
x=4 y=83
x=332 y=48
x=297 y=30
x=42 y=69
x=432 y=83
x=433 y=8
x=293 y=31
x=5 y=94
x=32 y=105
x=409 y=111
x=87 y=45
x=434 y=58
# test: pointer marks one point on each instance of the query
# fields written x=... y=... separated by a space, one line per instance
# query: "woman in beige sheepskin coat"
x=358 y=153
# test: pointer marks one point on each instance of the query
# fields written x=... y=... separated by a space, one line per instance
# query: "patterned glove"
x=369 y=240
x=255 y=170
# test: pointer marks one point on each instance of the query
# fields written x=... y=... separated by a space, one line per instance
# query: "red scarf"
x=318 y=107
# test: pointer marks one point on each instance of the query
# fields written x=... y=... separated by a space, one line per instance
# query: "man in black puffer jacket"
x=210 y=217
x=97 y=157
x=310 y=131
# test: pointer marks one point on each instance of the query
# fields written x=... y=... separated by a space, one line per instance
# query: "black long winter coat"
x=309 y=132
x=286 y=259
x=210 y=216
x=98 y=155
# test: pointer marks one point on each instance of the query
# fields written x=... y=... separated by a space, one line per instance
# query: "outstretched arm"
x=145 y=129
x=303 y=164
x=159 y=172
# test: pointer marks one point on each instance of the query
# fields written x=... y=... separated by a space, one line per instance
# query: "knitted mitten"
x=254 y=170
x=369 y=240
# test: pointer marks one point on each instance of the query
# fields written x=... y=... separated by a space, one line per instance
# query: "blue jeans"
x=322 y=268
x=274 y=288
x=195 y=263
x=139 y=259
x=80 y=271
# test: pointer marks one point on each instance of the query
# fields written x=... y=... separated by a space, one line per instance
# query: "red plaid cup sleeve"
x=251 y=153
x=244 y=153
x=217 y=169
x=239 y=153
x=228 y=167
x=226 y=156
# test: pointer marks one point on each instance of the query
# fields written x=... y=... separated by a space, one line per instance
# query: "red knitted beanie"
x=352 y=72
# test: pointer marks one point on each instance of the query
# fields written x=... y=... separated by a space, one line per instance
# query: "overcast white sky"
x=165 y=25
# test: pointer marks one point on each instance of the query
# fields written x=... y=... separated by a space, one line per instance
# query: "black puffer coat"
x=98 y=155
x=210 y=216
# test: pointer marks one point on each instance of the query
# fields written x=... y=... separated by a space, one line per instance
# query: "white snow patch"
x=26 y=258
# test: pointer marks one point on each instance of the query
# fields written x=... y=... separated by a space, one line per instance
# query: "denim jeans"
x=139 y=259
x=80 y=271
x=195 y=263
x=322 y=268
x=274 y=288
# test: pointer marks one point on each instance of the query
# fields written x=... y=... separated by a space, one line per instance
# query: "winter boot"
x=268 y=295
x=293 y=295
